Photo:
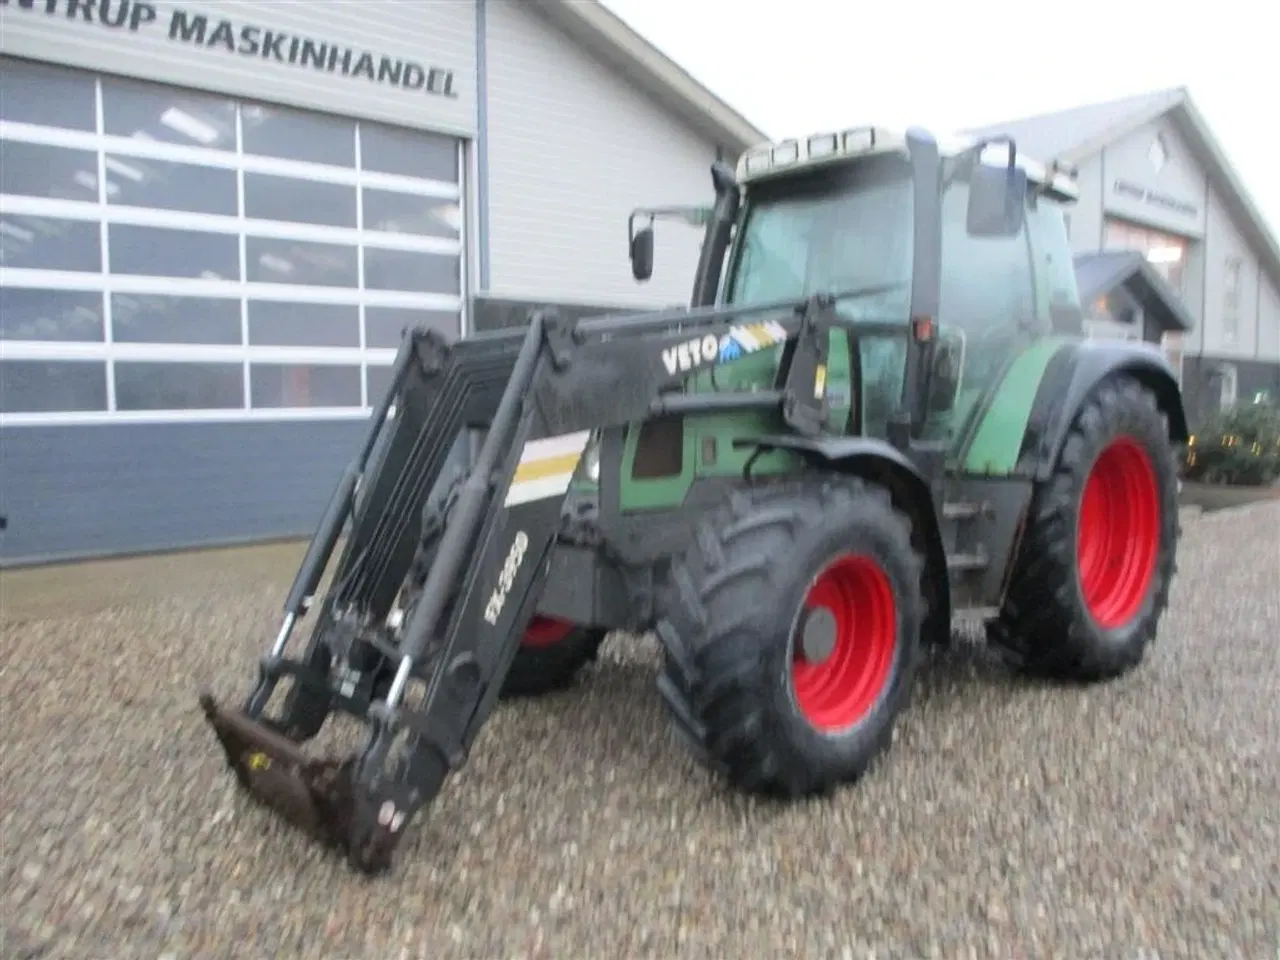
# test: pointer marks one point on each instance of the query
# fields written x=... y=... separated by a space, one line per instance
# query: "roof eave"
x=1121 y=270
x=1236 y=194
x=610 y=38
x=1122 y=128
x=1168 y=296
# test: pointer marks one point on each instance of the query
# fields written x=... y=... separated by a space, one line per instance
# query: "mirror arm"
x=966 y=160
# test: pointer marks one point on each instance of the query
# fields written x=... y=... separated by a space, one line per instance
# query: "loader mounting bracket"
x=322 y=797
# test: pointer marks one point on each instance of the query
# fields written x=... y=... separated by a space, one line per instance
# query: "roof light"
x=858 y=139
x=854 y=142
x=823 y=145
x=191 y=127
x=757 y=161
x=1164 y=254
x=818 y=148
x=275 y=264
x=788 y=151
x=116 y=166
x=8 y=229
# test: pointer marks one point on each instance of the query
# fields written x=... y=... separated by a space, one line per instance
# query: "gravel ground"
x=1136 y=820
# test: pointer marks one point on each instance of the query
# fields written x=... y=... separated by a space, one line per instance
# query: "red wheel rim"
x=839 y=692
x=545 y=631
x=1119 y=535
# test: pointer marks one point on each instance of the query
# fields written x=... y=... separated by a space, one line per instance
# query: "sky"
x=798 y=66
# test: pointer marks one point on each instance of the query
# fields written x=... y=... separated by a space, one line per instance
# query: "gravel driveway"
x=1139 y=820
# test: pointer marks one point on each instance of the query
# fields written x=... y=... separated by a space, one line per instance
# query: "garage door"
x=200 y=299
x=174 y=256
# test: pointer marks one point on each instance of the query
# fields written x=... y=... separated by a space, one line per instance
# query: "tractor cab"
x=945 y=260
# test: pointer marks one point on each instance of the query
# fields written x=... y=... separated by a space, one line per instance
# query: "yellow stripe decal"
x=541 y=469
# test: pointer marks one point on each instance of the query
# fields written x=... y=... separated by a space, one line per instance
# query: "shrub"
x=1239 y=447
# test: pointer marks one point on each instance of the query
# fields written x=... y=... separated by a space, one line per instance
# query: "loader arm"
x=538 y=394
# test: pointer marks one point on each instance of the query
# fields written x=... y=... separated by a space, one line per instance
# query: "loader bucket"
x=318 y=796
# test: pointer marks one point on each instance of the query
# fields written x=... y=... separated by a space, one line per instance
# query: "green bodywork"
x=1001 y=310
x=753 y=370
x=1002 y=424
x=985 y=427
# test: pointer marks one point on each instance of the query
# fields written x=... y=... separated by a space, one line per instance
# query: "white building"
x=216 y=218
x=1153 y=178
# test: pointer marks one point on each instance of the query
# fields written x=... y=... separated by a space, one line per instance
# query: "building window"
x=1229 y=387
x=174 y=255
x=1158 y=153
x=1167 y=252
x=1231 y=271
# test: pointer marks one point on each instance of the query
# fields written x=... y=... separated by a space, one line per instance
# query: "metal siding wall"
x=437 y=34
x=1269 y=322
x=74 y=491
x=572 y=149
x=1223 y=240
x=129 y=488
x=1086 y=213
x=1202 y=390
x=489 y=313
x=1136 y=190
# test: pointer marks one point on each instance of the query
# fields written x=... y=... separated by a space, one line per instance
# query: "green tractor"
x=878 y=414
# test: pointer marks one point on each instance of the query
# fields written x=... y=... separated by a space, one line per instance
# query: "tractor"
x=877 y=414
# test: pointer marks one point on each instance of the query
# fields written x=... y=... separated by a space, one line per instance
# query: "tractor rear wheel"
x=550 y=656
x=1099 y=552
x=792 y=634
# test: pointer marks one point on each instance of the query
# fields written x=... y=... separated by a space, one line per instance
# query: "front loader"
x=878 y=414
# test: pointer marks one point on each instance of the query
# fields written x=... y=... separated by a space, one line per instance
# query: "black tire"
x=1063 y=617
x=536 y=668
x=540 y=668
x=729 y=630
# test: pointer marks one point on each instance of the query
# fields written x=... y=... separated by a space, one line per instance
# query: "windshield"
x=846 y=230
x=842 y=230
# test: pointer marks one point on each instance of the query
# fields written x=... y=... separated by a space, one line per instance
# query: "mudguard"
x=1071 y=375
x=912 y=492
x=844 y=453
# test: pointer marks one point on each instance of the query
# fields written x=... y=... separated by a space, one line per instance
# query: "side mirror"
x=642 y=253
x=997 y=201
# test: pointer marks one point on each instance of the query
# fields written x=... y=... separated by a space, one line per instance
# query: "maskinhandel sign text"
x=251 y=41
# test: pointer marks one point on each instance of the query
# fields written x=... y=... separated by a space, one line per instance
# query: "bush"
x=1239 y=447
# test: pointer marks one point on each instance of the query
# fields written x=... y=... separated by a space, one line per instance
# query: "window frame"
x=1232 y=288
x=105 y=214
x=1228 y=387
x=1024 y=241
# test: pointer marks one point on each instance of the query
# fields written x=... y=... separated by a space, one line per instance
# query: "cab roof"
x=781 y=157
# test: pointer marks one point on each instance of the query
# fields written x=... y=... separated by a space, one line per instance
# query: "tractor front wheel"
x=550 y=655
x=791 y=634
x=1093 y=574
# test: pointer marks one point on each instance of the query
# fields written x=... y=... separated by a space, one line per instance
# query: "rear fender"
x=1072 y=376
x=912 y=493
